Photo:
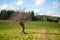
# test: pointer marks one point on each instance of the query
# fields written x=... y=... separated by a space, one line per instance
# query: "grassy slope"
x=30 y=25
x=40 y=30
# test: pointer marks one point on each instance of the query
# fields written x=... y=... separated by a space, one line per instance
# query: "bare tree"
x=20 y=17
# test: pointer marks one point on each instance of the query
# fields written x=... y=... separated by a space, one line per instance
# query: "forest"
x=6 y=14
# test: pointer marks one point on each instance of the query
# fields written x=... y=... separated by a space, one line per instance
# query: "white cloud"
x=56 y=15
x=49 y=12
x=7 y=7
x=28 y=10
x=41 y=13
x=11 y=6
x=20 y=3
x=39 y=2
x=56 y=4
x=36 y=10
x=4 y=6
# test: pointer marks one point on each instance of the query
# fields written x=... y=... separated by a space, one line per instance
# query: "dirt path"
x=43 y=34
x=35 y=34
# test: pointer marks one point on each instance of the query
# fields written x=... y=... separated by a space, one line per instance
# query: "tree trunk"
x=23 y=27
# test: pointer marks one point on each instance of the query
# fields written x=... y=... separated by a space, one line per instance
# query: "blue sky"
x=40 y=7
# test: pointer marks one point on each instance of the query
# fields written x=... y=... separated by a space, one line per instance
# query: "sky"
x=40 y=7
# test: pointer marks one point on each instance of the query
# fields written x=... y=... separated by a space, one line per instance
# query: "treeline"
x=6 y=14
x=47 y=18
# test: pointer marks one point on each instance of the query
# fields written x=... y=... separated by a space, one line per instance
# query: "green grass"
x=36 y=30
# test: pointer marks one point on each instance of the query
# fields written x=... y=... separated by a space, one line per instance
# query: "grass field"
x=35 y=30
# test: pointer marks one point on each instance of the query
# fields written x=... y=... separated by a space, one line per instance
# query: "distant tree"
x=3 y=14
x=53 y=19
x=44 y=17
x=32 y=15
x=0 y=15
x=39 y=17
x=9 y=13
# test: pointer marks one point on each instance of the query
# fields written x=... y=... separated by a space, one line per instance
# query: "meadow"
x=35 y=30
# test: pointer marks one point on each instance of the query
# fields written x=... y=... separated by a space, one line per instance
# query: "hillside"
x=41 y=30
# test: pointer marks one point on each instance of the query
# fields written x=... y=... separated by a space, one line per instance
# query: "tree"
x=32 y=15
x=20 y=17
x=39 y=17
x=3 y=14
x=9 y=13
x=53 y=19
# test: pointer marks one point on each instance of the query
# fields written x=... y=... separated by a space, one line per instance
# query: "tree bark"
x=23 y=27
